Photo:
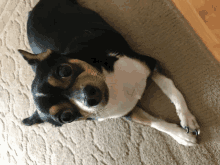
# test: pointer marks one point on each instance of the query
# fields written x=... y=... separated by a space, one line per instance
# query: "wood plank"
x=204 y=17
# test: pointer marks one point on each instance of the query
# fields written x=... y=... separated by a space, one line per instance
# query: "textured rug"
x=152 y=27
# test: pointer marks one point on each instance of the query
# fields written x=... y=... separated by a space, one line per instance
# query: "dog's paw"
x=182 y=137
x=189 y=123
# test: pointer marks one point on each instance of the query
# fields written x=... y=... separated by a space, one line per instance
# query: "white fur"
x=126 y=86
x=40 y=94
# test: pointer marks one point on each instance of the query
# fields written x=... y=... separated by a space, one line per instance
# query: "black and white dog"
x=86 y=70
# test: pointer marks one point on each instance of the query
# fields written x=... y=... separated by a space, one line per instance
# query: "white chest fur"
x=126 y=86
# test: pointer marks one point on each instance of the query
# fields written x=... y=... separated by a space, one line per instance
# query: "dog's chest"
x=126 y=86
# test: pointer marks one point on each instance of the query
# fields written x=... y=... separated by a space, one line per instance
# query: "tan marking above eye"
x=89 y=69
x=62 y=83
x=73 y=61
x=59 y=107
x=54 y=110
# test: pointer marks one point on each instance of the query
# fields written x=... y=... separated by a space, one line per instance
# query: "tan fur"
x=56 y=108
x=39 y=57
x=61 y=83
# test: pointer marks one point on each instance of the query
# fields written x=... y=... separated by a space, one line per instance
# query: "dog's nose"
x=69 y=116
x=93 y=95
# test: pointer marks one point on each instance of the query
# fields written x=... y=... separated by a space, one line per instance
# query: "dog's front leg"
x=140 y=116
x=187 y=120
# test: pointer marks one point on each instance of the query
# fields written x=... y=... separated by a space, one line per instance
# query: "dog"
x=85 y=70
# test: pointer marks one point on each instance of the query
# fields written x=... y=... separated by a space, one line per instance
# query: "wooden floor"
x=204 y=17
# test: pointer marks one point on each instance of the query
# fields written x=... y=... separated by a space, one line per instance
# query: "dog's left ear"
x=32 y=59
x=34 y=119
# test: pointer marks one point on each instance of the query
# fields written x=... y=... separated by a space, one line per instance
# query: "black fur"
x=71 y=31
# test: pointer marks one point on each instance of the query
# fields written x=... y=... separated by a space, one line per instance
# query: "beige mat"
x=150 y=26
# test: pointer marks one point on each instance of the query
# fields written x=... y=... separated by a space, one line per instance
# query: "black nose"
x=67 y=117
x=93 y=95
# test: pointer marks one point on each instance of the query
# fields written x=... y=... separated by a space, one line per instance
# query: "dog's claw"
x=180 y=135
x=196 y=132
x=187 y=130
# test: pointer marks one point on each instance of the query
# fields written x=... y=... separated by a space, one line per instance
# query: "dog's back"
x=63 y=27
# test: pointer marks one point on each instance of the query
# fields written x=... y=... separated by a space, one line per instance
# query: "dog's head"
x=64 y=89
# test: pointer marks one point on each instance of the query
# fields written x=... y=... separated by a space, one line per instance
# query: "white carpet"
x=111 y=142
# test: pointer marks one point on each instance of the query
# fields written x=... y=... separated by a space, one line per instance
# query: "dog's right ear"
x=34 y=119
x=33 y=59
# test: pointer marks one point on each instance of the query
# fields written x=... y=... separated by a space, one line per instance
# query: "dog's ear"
x=32 y=59
x=34 y=119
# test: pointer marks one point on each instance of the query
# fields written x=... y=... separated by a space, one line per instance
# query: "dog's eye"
x=64 y=70
x=66 y=117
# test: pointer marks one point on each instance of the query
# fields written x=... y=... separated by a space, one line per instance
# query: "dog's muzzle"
x=89 y=96
x=93 y=95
